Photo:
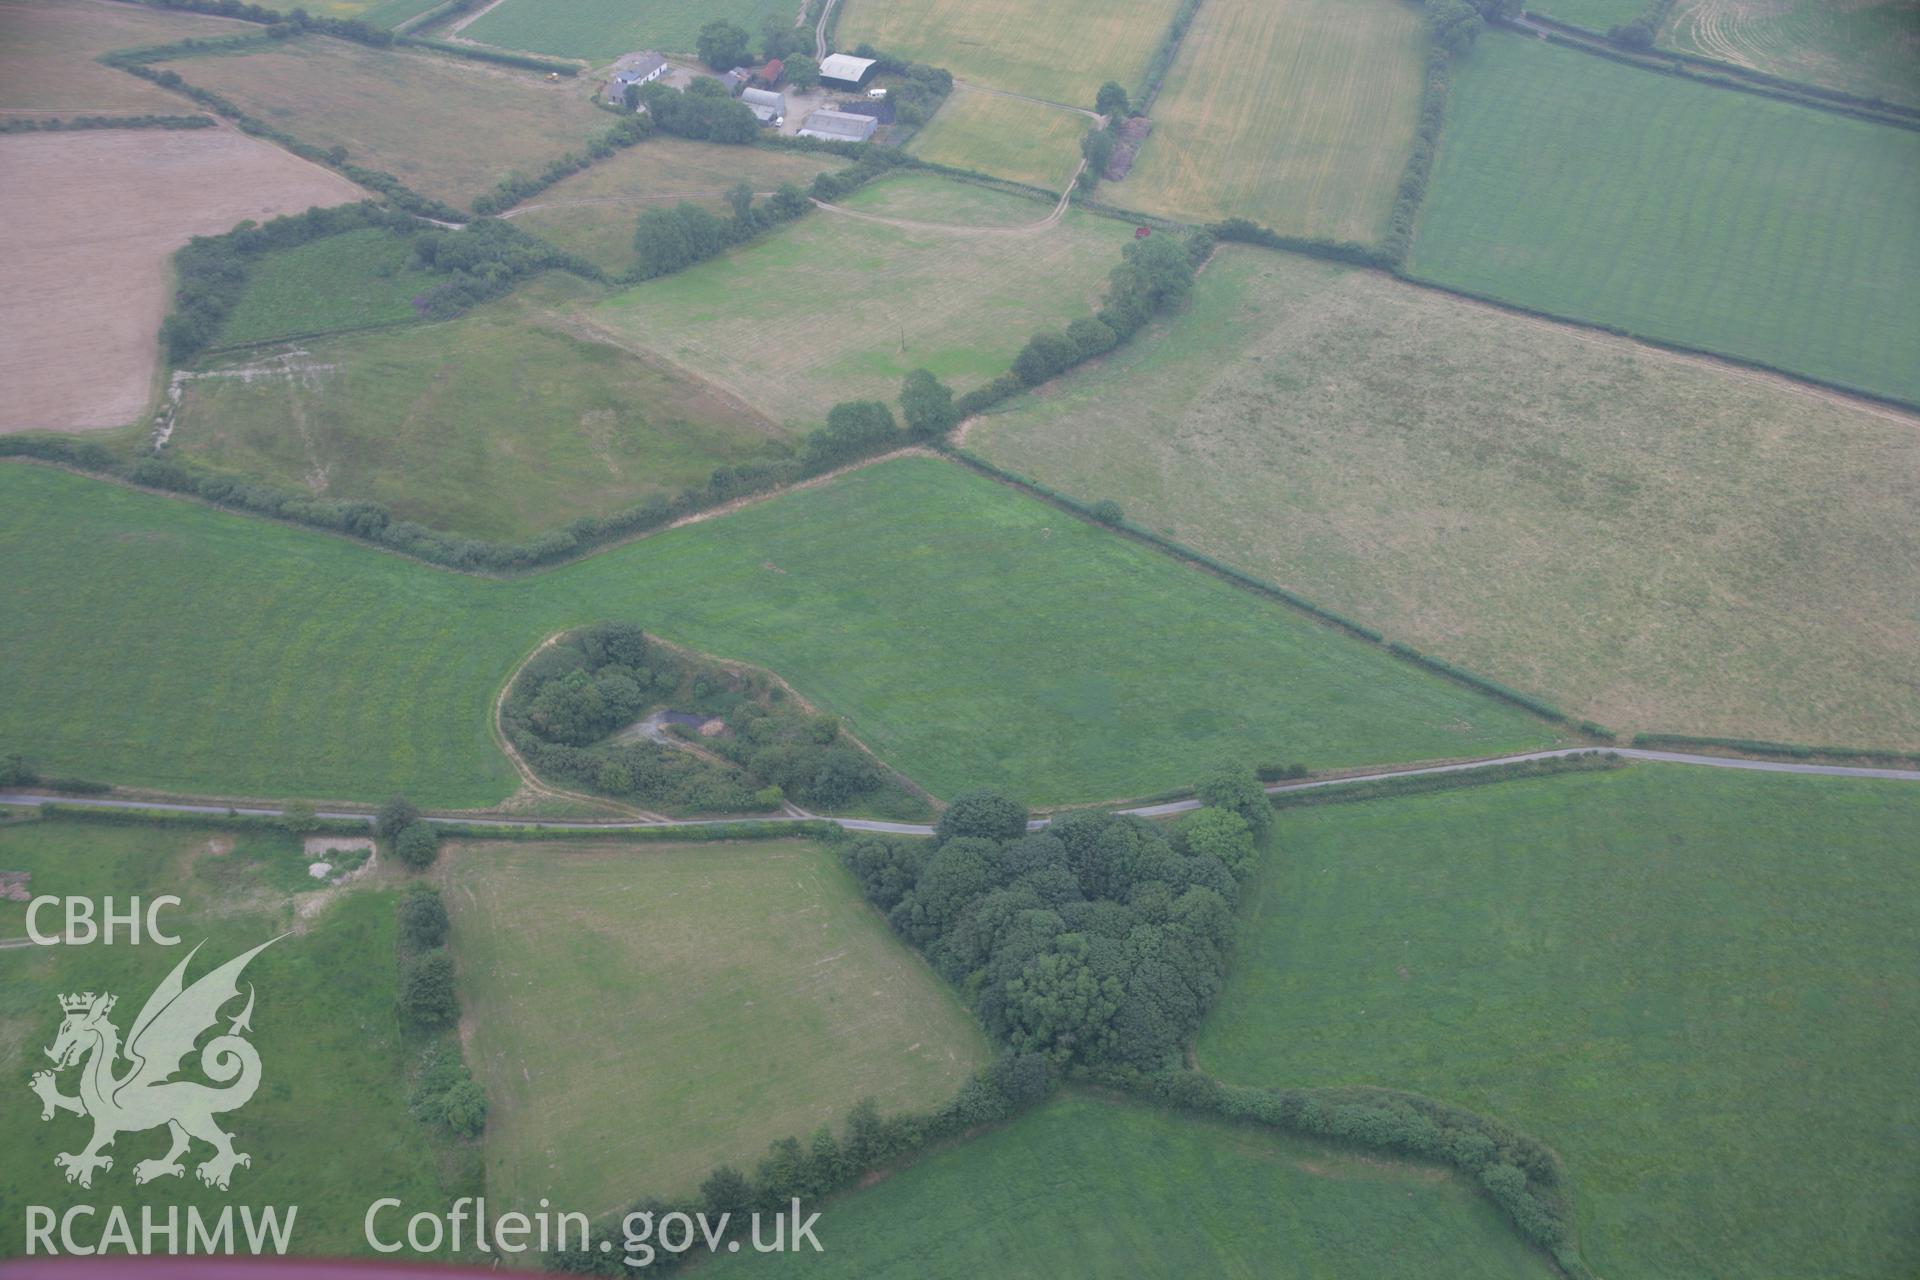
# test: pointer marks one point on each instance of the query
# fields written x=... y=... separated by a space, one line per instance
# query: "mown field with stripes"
x=1679 y=211
x=1307 y=133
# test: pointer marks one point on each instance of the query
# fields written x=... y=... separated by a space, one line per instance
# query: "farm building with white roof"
x=838 y=126
x=844 y=71
x=635 y=68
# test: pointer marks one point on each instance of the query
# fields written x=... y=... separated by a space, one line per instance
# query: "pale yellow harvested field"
x=1298 y=114
x=1060 y=50
x=48 y=47
x=90 y=220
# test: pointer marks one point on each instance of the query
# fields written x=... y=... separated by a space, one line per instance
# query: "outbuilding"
x=771 y=73
x=635 y=68
x=767 y=106
x=844 y=71
x=838 y=126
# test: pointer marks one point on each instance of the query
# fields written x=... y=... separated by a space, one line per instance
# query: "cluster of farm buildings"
x=759 y=88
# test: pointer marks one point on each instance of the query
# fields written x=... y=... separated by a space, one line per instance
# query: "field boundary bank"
x=1243 y=231
x=1246 y=581
x=190 y=810
x=1665 y=344
x=1657 y=58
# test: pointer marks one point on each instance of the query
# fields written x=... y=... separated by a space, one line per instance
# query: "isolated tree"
x=417 y=845
x=1107 y=511
x=740 y=200
x=423 y=918
x=463 y=1109
x=789 y=201
x=984 y=812
x=723 y=45
x=1097 y=147
x=1111 y=101
x=927 y=404
x=427 y=996
x=803 y=70
x=779 y=38
x=393 y=815
x=297 y=816
x=1237 y=788
x=1455 y=24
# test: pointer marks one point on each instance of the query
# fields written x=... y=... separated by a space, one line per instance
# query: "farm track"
x=1167 y=809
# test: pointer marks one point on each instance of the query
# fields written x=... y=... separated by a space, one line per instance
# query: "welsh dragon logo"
x=145 y=1096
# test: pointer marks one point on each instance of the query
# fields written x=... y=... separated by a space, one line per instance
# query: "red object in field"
x=1141 y=233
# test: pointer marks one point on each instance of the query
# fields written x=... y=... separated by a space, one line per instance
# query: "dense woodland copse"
x=1097 y=943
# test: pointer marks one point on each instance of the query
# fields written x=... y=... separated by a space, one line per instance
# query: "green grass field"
x=357 y=280
x=1310 y=141
x=1057 y=50
x=1445 y=472
x=1862 y=48
x=502 y=424
x=843 y=308
x=1679 y=211
x=925 y=197
x=1697 y=986
x=971 y=636
x=719 y=995
x=1006 y=137
x=328 y=1130
x=447 y=127
x=1091 y=1187
x=594 y=212
x=602 y=30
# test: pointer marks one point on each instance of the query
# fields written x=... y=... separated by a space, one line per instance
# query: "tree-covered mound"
x=573 y=714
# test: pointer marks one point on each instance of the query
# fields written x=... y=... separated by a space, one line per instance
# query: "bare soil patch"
x=90 y=220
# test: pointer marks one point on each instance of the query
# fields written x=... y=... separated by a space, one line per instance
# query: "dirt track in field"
x=89 y=222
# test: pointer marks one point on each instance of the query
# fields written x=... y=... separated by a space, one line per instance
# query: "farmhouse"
x=767 y=106
x=838 y=126
x=843 y=71
x=635 y=68
x=737 y=79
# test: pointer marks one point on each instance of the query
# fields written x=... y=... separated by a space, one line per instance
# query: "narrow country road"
x=820 y=31
x=921 y=829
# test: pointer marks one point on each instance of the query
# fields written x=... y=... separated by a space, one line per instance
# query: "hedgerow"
x=135 y=62
x=1163 y=55
x=1419 y=167
x=1519 y=1173
x=56 y=124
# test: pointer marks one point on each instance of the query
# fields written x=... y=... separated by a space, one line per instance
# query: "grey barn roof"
x=845 y=67
x=764 y=98
x=825 y=123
